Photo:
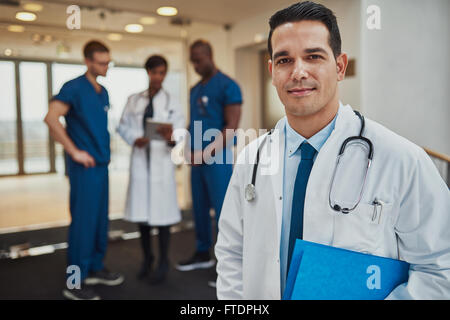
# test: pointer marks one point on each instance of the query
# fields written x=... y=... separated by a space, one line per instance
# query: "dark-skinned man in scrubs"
x=85 y=103
x=215 y=109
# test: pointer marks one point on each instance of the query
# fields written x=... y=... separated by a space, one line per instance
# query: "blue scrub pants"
x=88 y=232
x=209 y=185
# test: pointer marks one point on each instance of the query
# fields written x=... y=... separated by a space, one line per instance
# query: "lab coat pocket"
x=362 y=229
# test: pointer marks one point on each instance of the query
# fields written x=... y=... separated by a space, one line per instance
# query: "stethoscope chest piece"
x=250 y=192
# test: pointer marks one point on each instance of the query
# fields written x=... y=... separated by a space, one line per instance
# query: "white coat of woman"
x=151 y=197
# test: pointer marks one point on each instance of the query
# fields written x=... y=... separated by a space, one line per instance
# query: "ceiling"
x=210 y=11
x=101 y=17
x=113 y=15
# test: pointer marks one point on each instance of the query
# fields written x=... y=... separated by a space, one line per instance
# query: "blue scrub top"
x=207 y=105
x=87 y=119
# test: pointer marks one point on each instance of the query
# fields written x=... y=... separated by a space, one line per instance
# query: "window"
x=8 y=120
x=30 y=150
x=34 y=103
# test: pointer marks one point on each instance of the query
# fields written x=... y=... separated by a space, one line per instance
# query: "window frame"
x=20 y=155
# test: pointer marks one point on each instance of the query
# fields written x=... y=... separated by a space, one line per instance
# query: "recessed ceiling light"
x=167 y=11
x=25 y=16
x=134 y=28
x=16 y=28
x=48 y=38
x=114 y=36
x=7 y=52
x=259 y=37
x=147 y=20
x=35 y=7
x=36 y=37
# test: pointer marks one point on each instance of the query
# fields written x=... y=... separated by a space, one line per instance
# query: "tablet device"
x=151 y=128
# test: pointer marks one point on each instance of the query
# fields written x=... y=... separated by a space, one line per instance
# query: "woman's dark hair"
x=308 y=10
x=155 y=61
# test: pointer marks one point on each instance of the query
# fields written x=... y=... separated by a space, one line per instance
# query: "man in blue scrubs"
x=216 y=108
x=85 y=103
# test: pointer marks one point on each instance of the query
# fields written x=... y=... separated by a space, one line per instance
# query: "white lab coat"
x=151 y=195
x=413 y=226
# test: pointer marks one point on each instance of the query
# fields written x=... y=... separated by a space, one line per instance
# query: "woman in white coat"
x=151 y=198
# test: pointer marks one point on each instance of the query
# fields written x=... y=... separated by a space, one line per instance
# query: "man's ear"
x=341 y=66
x=269 y=65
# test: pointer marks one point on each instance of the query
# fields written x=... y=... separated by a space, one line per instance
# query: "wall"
x=406 y=70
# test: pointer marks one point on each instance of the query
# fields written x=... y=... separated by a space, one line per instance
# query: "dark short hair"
x=202 y=44
x=308 y=10
x=93 y=46
x=155 y=61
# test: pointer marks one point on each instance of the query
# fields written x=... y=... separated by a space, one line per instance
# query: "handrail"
x=437 y=155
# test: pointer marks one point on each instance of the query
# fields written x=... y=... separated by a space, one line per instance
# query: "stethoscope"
x=250 y=189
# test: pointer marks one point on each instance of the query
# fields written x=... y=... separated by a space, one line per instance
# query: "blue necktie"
x=148 y=113
x=298 y=199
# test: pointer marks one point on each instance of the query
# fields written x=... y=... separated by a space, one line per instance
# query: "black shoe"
x=160 y=274
x=200 y=260
x=84 y=293
x=146 y=268
x=104 y=277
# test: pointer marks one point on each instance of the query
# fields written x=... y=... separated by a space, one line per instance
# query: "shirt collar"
x=294 y=139
x=145 y=93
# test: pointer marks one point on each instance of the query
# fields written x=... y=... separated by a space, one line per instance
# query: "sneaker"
x=84 y=293
x=104 y=277
x=200 y=260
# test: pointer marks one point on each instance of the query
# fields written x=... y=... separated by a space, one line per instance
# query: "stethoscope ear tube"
x=250 y=189
x=354 y=138
x=255 y=168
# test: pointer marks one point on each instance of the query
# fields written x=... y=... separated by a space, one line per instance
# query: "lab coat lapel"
x=161 y=103
x=276 y=159
x=143 y=101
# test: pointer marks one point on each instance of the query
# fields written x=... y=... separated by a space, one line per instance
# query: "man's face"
x=99 y=63
x=201 y=61
x=157 y=75
x=303 y=68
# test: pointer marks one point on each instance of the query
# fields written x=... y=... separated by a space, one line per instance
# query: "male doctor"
x=85 y=103
x=256 y=236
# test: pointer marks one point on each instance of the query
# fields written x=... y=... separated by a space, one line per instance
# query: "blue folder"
x=320 y=272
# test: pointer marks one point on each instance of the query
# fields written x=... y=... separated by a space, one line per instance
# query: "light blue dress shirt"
x=292 y=158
